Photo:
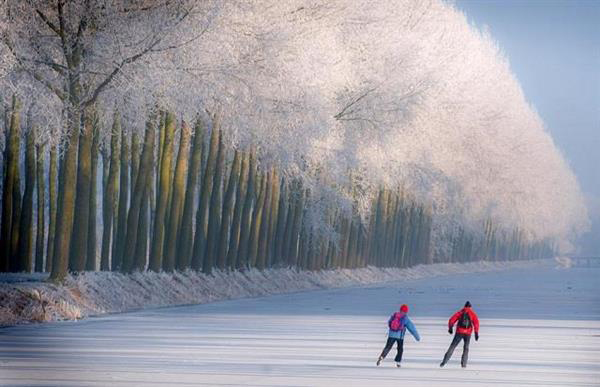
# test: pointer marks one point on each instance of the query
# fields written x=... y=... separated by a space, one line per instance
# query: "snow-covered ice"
x=539 y=327
x=26 y=297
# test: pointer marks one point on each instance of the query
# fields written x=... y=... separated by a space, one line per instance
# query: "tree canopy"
x=346 y=96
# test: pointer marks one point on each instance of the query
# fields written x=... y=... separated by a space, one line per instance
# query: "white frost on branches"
x=399 y=93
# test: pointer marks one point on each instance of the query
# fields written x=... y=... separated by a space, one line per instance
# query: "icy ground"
x=539 y=327
x=26 y=297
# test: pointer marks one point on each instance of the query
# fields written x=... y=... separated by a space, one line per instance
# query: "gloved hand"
x=476 y=336
x=450 y=330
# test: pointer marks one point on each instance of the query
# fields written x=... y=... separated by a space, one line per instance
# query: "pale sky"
x=554 y=49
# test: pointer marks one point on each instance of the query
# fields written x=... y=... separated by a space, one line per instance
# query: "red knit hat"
x=404 y=308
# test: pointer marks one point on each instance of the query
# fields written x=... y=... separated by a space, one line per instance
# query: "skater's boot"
x=442 y=364
x=379 y=360
x=398 y=365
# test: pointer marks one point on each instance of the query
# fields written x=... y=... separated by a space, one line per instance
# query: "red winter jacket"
x=474 y=322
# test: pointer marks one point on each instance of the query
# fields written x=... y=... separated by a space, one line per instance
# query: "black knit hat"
x=467 y=304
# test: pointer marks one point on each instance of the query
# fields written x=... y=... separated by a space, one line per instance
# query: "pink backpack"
x=397 y=322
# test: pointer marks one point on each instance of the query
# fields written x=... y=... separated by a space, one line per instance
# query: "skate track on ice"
x=539 y=327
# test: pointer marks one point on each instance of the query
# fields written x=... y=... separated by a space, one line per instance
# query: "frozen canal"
x=539 y=327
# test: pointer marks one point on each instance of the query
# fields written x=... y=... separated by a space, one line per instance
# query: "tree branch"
x=348 y=106
x=114 y=73
x=36 y=75
x=53 y=65
x=151 y=48
x=184 y=43
x=48 y=22
x=63 y=38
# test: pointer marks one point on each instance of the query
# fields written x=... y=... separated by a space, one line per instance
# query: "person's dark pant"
x=388 y=346
x=465 y=356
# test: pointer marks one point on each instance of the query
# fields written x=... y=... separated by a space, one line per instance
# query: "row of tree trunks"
x=180 y=199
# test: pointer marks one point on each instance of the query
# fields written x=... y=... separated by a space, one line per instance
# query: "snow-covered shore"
x=27 y=298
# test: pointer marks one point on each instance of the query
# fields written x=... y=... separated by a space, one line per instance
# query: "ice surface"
x=539 y=327
x=27 y=298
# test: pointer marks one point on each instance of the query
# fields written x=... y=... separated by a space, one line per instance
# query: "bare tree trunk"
x=281 y=221
x=385 y=259
x=14 y=258
x=11 y=194
x=287 y=235
x=26 y=223
x=262 y=251
x=207 y=185
x=110 y=195
x=121 y=221
x=184 y=255
x=178 y=198
x=92 y=244
x=303 y=240
x=214 y=219
x=156 y=250
x=79 y=240
x=171 y=176
x=141 y=246
x=135 y=158
x=66 y=200
x=343 y=246
x=353 y=248
x=41 y=209
x=228 y=206
x=141 y=184
x=246 y=222
x=105 y=153
x=256 y=221
x=152 y=200
x=427 y=238
x=272 y=216
x=234 y=239
x=261 y=254
x=52 y=197
x=398 y=232
x=397 y=228
x=159 y=150
x=330 y=254
x=296 y=227
x=5 y=134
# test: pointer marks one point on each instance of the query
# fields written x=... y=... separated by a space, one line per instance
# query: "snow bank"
x=26 y=298
x=564 y=262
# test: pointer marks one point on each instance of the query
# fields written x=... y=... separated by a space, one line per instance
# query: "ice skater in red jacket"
x=466 y=321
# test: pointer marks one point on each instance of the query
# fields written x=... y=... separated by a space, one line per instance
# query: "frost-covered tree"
x=76 y=51
x=388 y=115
